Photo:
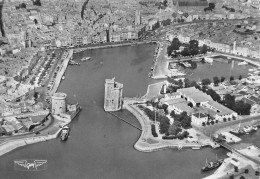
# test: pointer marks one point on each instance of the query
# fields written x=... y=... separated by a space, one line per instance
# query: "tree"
x=246 y=170
x=225 y=119
x=216 y=80
x=240 y=77
x=190 y=104
x=37 y=2
x=236 y=169
x=215 y=96
x=174 y=130
x=175 y=45
x=186 y=83
x=231 y=78
x=177 y=123
x=222 y=79
x=204 y=49
x=205 y=82
x=172 y=114
x=185 y=52
x=194 y=47
x=229 y=100
x=242 y=177
x=164 y=124
x=212 y=6
x=35 y=95
x=186 y=122
x=242 y=108
x=180 y=83
x=203 y=123
x=23 y=5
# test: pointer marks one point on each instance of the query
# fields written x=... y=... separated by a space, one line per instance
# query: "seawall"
x=111 y=45
x=13 y=144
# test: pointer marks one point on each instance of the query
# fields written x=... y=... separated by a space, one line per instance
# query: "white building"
x=199 y=118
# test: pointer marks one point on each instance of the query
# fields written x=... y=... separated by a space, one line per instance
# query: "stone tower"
x=58 y=103
x=113 y=95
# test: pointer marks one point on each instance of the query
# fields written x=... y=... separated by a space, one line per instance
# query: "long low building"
x=197 y=104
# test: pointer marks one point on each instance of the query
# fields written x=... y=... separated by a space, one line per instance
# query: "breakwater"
x=13 y=144
x=124 y=120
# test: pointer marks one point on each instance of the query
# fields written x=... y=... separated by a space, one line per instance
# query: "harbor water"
x=100 y=145
x=219 y=69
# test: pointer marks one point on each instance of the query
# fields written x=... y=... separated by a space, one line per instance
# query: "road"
x=212 y=129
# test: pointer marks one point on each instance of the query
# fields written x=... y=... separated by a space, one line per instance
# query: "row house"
x=243 y=51
x=254 y=54
x=115 y=37
x=221 y=47
x=16 y=39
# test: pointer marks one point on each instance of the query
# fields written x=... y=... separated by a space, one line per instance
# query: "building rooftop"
x=246 y=100
x=200 y=97
x=222 y=109
x=200 y=115
x=173 y=101
x=187 y=91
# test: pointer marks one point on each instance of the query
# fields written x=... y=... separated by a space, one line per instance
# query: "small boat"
x=254 y=128
x=242 y=63
x=63 y=77
x=212 y=165
x=195 y=148
x=248 y=129
x=238 y=131
x=85 y=59
x=208 y=59
x=64 y=133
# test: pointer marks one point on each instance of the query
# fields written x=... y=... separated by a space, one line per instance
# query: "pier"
x=124 y=120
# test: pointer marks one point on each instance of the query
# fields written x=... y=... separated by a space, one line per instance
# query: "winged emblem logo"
x=30 y=165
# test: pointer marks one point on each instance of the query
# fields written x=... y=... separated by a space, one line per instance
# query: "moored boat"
x=247 y=129
x=212 y=165
x=195 y=148
x=208 y=59
x=85 y=59
x=64 y=133
x=242 y=63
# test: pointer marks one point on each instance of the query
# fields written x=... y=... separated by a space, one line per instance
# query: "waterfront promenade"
x=61 y=72
x=110 y=45
x=160 y=69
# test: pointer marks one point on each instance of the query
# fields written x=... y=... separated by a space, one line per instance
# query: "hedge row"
x=154 y=133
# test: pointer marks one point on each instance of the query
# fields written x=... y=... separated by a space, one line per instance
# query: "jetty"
x=124 y=120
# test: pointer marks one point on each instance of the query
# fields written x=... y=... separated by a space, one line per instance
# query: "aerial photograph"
x=129 y=89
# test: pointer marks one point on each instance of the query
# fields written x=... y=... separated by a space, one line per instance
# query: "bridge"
x=124 y=120
x=233 y=150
